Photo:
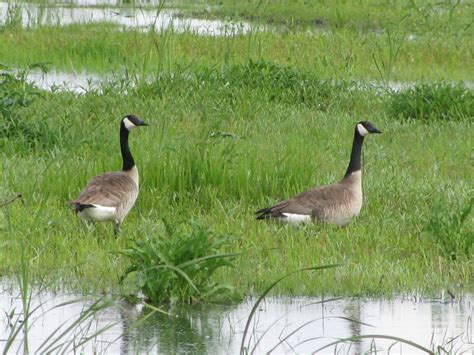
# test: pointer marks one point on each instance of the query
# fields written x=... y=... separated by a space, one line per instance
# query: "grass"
x=365 y=15
x=211 y=155
x=342 y=54
x=451 y=228
x=237 y=124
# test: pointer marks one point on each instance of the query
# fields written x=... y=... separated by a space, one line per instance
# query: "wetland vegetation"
x=241 y=121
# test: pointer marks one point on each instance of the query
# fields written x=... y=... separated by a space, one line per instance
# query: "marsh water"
x=281 y=325
x=82 y=82
x=34 y=14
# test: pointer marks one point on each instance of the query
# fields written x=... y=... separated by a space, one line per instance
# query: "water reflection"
x=353 y=311
x=33 y=14
x=281 y=325
x=189 y=329
x=107 y=2
x=284 y=325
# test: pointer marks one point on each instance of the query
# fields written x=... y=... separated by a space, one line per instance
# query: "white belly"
x=293 y=218
x=98 y=213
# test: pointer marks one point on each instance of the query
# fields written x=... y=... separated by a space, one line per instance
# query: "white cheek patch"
x=362 y=130
x=128 y=124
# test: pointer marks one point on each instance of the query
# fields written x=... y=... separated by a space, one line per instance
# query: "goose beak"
x=375 y=130
x=143 y=124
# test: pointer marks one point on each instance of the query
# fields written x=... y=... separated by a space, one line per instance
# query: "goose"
x=110 y=196
x=333 y=204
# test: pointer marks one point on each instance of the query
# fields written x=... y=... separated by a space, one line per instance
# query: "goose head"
x=131 y=121
x=365 y=128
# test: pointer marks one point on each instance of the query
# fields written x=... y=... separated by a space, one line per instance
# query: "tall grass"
x=387 y=54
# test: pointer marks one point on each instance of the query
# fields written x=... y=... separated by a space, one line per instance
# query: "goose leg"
x=117 y=227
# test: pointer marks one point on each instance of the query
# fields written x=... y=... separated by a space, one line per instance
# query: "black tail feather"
x=263 y=216
x=79 y=207
x=267 y=213
x=264 y=211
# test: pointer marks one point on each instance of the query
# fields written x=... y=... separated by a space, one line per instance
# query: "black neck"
x=128 y=162
x=354 y=163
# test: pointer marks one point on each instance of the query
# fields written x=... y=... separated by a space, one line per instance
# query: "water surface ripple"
x=281 y=325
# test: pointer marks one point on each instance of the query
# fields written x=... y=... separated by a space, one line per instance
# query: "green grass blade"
x=262 y=296
x=283 y=315
x=376 y=336
x=89 y=312
x=208 y=257
x=310 y=322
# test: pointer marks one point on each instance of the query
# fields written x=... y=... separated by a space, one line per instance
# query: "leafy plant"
x=451 y=229
x=440 y=101
x=15 y=90
x=178 y=266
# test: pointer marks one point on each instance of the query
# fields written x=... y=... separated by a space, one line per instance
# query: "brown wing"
x=305 y=202
x=108 y=189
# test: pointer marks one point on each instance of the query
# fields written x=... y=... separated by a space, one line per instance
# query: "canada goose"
x=334 y=204
x=110 y=196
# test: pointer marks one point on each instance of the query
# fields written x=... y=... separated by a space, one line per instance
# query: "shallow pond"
x=33 y=14
x=280 y=325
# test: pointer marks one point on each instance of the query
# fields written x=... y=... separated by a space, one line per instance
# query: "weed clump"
x=177 y=267
x=451 y=229
x=439 y=101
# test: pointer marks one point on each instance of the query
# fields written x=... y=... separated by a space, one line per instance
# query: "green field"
x=237 y=123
